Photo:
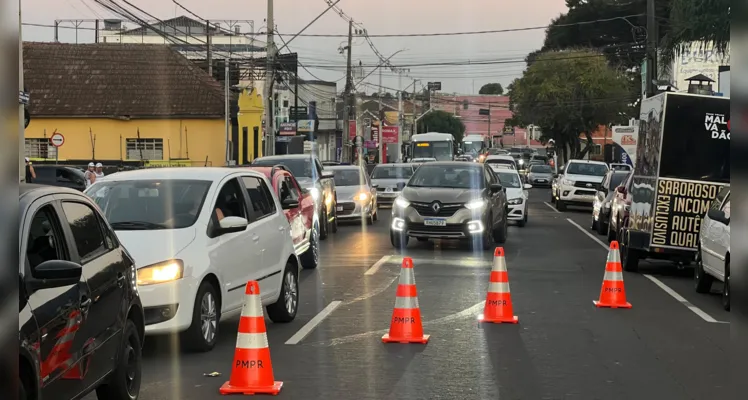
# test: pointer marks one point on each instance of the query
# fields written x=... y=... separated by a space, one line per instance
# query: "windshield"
x=448 y=176
x=385 y=172
x=441 y=151
x=509 y=179
x=300 y=167
x=616 y=180
x=472 y=147
x=500 y=161
x=541 y=169
x=586 y=169
x=349 y=177
x=150 y=204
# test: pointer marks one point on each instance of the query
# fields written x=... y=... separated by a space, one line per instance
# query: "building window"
x=40 y=148
x=596 y=149
x=145 y=149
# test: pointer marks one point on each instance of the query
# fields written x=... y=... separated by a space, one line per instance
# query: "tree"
x=705 y=21
x=444 y=122
x=491 y=88
x=568 y=93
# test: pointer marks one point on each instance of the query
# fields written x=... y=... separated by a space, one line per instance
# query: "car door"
x=106 y=271
x=270 y=230
x=293 y=215
x=234 y=255
x=57 y=310
x=306 y=203
x=710 y=257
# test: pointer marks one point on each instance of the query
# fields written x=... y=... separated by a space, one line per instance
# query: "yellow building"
x=122 y=104
x=249 y=118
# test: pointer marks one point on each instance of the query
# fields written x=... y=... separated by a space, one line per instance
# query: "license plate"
x=542 y=180
x=339 y=208
x=435 y=222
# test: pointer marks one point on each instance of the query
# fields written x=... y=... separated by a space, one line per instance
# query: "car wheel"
x=726 y=289
x=335 y=219
x=594 y=224
x=500 y=235
x=324 y=224
x=602 y=225
x=376 y=213
x=284 y=310
x=203 y=332
x=521 y=223
x=124 y=383
x=629 y=257
x=560 y=205
x=553 y=196
x=611 y=233
x=398 y=241
x=702 y=280
x=310 y=258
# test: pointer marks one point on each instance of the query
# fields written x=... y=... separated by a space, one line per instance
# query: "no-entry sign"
x=57 y=139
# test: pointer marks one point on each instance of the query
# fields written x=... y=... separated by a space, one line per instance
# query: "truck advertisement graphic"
x=625 y=137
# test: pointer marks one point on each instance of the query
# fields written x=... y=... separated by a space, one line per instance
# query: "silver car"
x=540 y=175
x=357 y=196
x=390 y=180
x=451 y=200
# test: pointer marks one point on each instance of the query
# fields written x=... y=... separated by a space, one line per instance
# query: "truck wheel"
x=629 y=257
x=702 y=281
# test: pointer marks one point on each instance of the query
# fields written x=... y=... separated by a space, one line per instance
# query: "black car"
x=604 y=197
x=80 y=317
x=60 y=175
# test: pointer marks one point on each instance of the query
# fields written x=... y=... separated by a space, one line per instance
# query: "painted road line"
x=374 y=268
x=706 y=317
x=309 y=327
x=463 y=262
x=551 y=207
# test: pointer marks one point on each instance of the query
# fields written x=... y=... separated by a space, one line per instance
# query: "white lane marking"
x=374 y=268
x=373 y=293
x=706 y=317
x=465 y=262
x=551 y=207
x=306 y=329
x=591 y=236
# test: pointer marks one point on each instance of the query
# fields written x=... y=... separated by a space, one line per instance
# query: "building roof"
x=113 y=80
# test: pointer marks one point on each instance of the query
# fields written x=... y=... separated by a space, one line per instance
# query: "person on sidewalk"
x=30 y=173
x=99 y=171
x=90 y=174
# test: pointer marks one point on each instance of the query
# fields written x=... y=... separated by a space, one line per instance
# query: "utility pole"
x=400 y=115
x=268 y=89
x=209 y=51
x=227 y=117
x=489 y=121
x=381 y=122
x=652 y=36
x=21 y=127
x=415 y=114
x=348 y=109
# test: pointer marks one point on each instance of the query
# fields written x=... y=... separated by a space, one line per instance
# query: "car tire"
x=602 y=226
x=611 y=232
x=285 y=309
x=702 y=280
x=629 y=257
x=594 y=224
x=310 y=258
x=376 y=213
x=523 y=222
x=500 y=235
x=193 y=338
x=124 y=382
x=335 y=218
x=324 y=225
x=399 y=241
x=560 y=205
x=726 y=288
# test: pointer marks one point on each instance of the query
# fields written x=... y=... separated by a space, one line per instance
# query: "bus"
x=440 y=146
x=474 y=145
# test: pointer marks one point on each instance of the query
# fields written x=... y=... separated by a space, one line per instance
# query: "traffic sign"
x=433 y=86
x=57 y=139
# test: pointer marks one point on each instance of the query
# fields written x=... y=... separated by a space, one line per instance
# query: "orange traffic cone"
x=406 y=326
x=252 y=371
x=613 y=294
x=498 y=308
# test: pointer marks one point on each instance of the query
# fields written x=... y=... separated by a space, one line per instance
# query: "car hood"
x=385 y=183
x=347 y=192
x=149 y=247
x=584 y=178
x=541 y=174
x=513 y=193
x=444 y=195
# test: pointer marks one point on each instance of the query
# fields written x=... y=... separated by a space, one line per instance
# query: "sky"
x=321 y=55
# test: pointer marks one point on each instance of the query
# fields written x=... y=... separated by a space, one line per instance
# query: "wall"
x=697 y=59
x=250 y=115
x=193 y=139
x=324 y=94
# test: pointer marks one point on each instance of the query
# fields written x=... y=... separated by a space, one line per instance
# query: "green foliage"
x=443 y=122
x=696 y=21
x=491 y=88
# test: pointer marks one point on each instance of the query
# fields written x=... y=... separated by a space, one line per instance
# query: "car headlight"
x=166 y=271
x=315 y=193
x=515 y=201
x=401 y=202
x=567 y=182
x=363 y=196
x=475 y=204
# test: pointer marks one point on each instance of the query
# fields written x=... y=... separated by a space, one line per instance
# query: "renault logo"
x=436 y=207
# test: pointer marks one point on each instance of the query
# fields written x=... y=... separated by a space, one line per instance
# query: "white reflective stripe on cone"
x=498 y=287
x=614 y=256
x=613 y=276
x=406 y=302
x=251 y=341
x=499 y=264
x=407 y=277
x=252 y=306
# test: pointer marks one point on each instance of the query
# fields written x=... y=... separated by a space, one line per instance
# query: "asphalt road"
x=665 y=347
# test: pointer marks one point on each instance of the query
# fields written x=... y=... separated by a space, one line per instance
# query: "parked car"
x=621 y=167
x=501 y=159
x=713 y=256
x=516 y=194
x=60 y=175
x=298 y=206
x=579 y=183
x=451 y=200
x=604 y=198
x=357 y=196
x=318 y=180
x=80 y=320
x=390 y=180
x=620 y=206
x=198 y=235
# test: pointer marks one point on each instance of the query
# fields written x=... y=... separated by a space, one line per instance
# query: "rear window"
x=299 y=167
x=541 y=169
x=385 y=172
x=349 y=177
x=586 y=169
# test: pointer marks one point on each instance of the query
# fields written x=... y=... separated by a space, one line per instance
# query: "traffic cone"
x=252 y=371
x=406 y=326
x=613 y=294
x=498 y=308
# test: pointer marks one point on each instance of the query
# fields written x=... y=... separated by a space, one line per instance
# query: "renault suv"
x=451 y=200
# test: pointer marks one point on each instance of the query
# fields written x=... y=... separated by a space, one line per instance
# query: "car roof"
x=343 y=167
x=452 y=163
x=586 y=162
x=188 y=173
x=28 y=192
x=500 y=157
x=287 y=157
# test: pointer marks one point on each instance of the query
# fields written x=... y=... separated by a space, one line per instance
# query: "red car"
x=298 y=205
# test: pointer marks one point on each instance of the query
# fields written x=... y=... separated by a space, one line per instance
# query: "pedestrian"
x=30 y=173
x=99 y=171
x=90 y=174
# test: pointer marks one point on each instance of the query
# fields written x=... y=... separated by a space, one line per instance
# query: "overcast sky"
x=378 y=17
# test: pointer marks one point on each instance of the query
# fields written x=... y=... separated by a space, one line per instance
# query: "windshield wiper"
x=137 y=225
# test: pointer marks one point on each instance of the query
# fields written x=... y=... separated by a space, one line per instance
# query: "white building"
x=698 y=58
x=322 y=95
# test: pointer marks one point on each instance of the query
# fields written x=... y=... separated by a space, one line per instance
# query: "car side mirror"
x=288 y=204
x=56 y=273
x=327 y=174
x=496 y=188
x=718 y=215
x=528 y=186
x=231 y=225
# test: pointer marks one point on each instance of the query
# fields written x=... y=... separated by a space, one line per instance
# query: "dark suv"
x=60 y=175
x=80 y=317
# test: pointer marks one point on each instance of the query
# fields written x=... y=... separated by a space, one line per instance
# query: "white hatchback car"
x=197 y=236
x=516 y=194
x=713 y=255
